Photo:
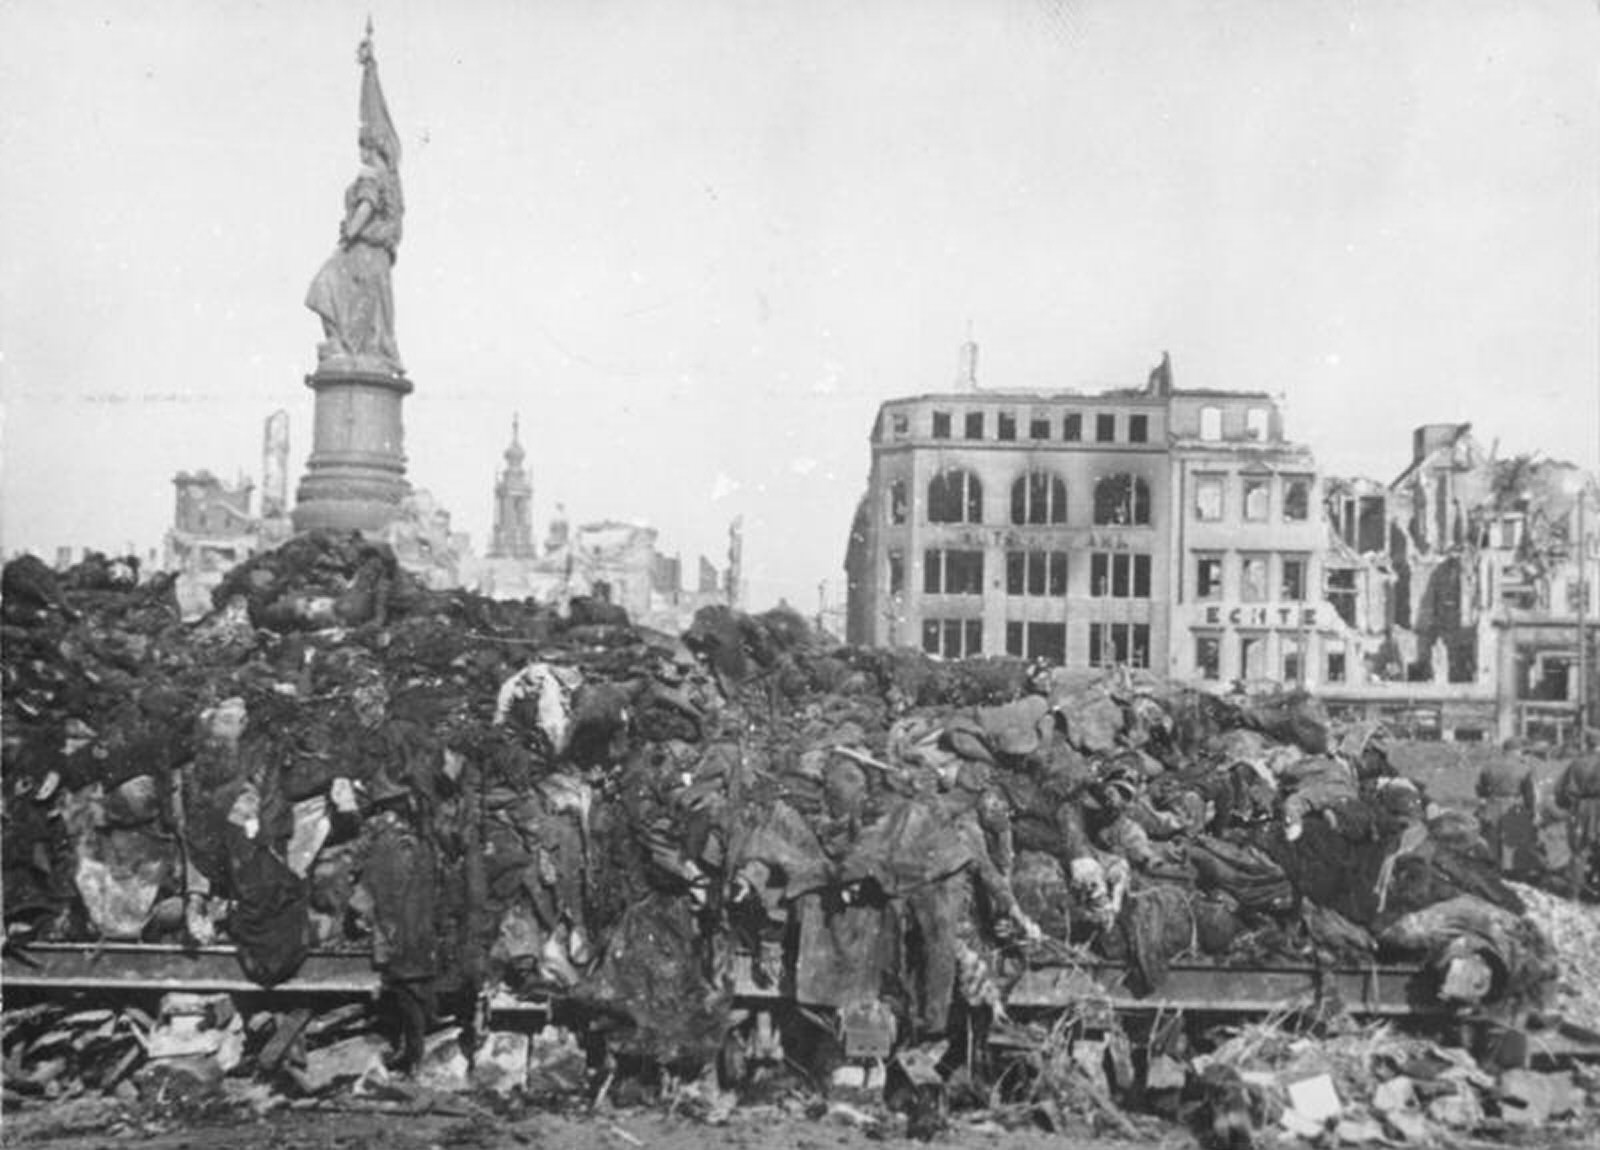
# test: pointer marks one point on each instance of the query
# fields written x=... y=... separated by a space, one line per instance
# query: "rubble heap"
x=490 y=796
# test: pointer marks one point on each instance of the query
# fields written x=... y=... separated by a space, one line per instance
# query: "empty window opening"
x=1292 y=586
x=1119 y=644
x=953 y=638
x=955 y=497
x=1208 y=497
x=1253 y=578
x=1038 y=498
x=1257 y=492
x=897 y=502
x=1297 y=498
x=1119 y=575
x=1038 y=573
x=951 y=572
x=1121 y=501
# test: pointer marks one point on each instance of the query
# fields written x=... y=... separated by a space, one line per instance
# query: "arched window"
x=1121 y=500
x=955 y=497
x=1038 y=497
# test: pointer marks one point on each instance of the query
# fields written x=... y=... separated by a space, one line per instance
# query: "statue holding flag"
x=352 y=293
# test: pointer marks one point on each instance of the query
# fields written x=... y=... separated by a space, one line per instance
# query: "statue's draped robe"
x=352 y=291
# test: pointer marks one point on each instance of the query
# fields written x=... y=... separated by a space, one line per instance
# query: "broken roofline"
x=1121 y=395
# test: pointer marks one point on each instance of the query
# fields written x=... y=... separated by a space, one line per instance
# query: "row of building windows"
x=1110 y=644
x=974 y=425
x=1255 y=498
x=1255 y=578
x=1252 y=658
x=953 y=571
x=1037 y=498
x=1076 y=426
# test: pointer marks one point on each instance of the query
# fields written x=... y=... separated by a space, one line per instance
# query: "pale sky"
x=696 y=243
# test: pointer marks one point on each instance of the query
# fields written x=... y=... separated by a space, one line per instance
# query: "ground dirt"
x=334 y=1128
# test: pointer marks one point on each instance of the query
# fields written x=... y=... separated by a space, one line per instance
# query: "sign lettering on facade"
x=1260 y=615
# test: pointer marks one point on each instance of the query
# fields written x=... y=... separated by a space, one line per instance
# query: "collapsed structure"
x=486 y=796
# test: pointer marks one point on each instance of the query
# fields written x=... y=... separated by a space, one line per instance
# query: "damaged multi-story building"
x=1462 y=584
x=1181 y=530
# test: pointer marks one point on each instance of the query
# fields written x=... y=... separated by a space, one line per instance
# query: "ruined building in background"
x=1147 y=526
x=1461 y=582
x=1180 y=530
x=1016 y=523
x=215 y=526
x=609 y=558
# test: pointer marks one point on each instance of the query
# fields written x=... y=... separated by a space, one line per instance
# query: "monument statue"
x=352 y=293
x=355 y=478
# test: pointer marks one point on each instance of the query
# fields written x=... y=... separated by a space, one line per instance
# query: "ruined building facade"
x=1182 y=531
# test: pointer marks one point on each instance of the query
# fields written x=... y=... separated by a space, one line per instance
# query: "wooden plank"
x=146 y=966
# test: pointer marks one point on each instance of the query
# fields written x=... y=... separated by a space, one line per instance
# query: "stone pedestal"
x=356 y=476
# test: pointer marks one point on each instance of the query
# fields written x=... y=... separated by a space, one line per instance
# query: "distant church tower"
x=513 y=506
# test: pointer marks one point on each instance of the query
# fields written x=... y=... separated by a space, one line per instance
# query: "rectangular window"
x=1007 y=428
x=974 y=427
x=1208 y=491
x=953 y=638
x=1014 y=640
x=1252 y=657
x=897 y=501
x=1336 y=670
x=1293 y=658
x=950 y=572
x=1257 y=491
x=941 y=425
x=1138 y=429
x=1112 y=644
x=1036 y=573
x=899 y=426
x=1253 y=578
x=897 y=573
x=1119 y=575
x=1211 y=423
x=1297 y=498
x=1105 y=428
x=1340 y=590
x=1039 y=429
x=1047 y=641
x=1208 y=577
x=1292 y=587
x=1072 y=427
x=1208 y=656
x=1255 y=423
x=1121 y=569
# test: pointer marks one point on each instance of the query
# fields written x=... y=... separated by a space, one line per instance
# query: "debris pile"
x=1369 y=1085
x=489 y=797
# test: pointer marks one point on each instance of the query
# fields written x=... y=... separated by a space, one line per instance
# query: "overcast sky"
x=696 y=243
